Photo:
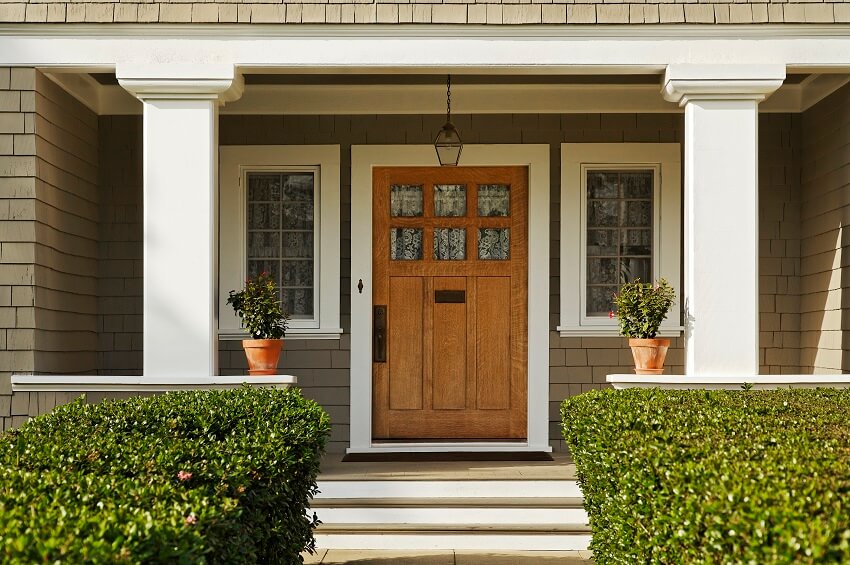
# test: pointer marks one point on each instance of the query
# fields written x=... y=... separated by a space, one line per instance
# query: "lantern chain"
x=448 y=98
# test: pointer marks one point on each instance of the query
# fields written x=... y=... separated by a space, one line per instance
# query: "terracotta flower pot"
x=649 y=355
x=262 y=355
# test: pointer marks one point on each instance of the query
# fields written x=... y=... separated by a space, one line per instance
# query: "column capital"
x=685 y=83
x=218 y=82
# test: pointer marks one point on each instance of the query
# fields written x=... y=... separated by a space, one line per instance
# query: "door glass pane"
x=450 y=244
x=406 y=200
x=405 y=244
x=494 y=200
x=450 y=200
x=494 y=243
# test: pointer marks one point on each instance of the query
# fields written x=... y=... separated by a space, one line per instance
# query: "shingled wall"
x=489 y=12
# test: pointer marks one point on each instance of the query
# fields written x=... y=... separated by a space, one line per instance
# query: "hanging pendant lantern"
x=448 y=144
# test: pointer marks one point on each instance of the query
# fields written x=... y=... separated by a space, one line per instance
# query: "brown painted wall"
x=825 y=240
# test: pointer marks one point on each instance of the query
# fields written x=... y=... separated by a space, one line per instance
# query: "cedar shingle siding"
x=504 y=12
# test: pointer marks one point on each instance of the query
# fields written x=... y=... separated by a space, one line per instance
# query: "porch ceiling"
x=272 y=92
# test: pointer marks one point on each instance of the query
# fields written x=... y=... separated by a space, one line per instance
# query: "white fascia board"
x=544 y=49
x=102 y=383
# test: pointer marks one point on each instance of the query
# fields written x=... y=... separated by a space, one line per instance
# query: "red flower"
x=610 y=313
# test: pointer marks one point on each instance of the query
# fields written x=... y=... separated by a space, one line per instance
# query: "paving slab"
x=357 y=557
x=315 y=557
x=522 y=557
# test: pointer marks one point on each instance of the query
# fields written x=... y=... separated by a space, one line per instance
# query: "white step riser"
x=452 y=515
x=448 y=489
x=449 y=541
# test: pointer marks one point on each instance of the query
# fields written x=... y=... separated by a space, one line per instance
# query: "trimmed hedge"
x=186 y=477
x=714 y=476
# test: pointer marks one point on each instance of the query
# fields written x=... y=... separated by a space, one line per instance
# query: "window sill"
x=102 y=383
x=604 y=331
x=294 y=333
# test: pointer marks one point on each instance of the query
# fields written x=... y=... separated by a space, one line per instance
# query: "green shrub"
x=187 y=477
x=714 y=476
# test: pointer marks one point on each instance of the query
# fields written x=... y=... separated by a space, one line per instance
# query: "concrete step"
x=393 y=527
x=436 y=515
x=466 y=502
x=442 y=489
x=481 y=540
x=451 y=514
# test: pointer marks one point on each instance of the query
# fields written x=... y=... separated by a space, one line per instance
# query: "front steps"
x=463 y=509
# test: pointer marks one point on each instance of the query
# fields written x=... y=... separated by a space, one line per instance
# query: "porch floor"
x=560 y=468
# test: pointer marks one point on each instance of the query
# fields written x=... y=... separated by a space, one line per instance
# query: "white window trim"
x=576 y=158
x=234 y=162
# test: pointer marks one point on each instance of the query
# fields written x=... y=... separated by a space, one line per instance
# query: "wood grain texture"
x=493 y=342
x=405 y=328
x=449 y=347
x=465 y=375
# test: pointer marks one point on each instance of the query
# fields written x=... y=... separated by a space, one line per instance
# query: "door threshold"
x=448 y=447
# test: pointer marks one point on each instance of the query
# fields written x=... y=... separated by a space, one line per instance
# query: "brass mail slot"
x=450 y=296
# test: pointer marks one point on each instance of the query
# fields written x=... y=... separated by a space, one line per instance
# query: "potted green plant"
x=641 y=307
x=261 y=314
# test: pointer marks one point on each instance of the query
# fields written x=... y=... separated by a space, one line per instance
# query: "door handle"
x=379 y=334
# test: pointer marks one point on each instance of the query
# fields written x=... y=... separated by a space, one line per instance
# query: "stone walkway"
x=356 y=557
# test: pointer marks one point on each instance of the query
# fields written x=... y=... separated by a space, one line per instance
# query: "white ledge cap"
x=683 y=83
x=103 y=383
x=727 y=382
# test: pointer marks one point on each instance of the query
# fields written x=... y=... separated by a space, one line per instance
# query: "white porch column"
x=180 y=213
x=721 y=211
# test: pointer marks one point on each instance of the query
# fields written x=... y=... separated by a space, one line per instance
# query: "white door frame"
x=363 y=159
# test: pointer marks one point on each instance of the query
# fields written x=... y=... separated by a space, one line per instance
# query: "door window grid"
x=281 y=241
x=619 y=233
x=490 y=202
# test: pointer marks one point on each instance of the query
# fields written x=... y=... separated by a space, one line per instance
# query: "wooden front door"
x=450 y=257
